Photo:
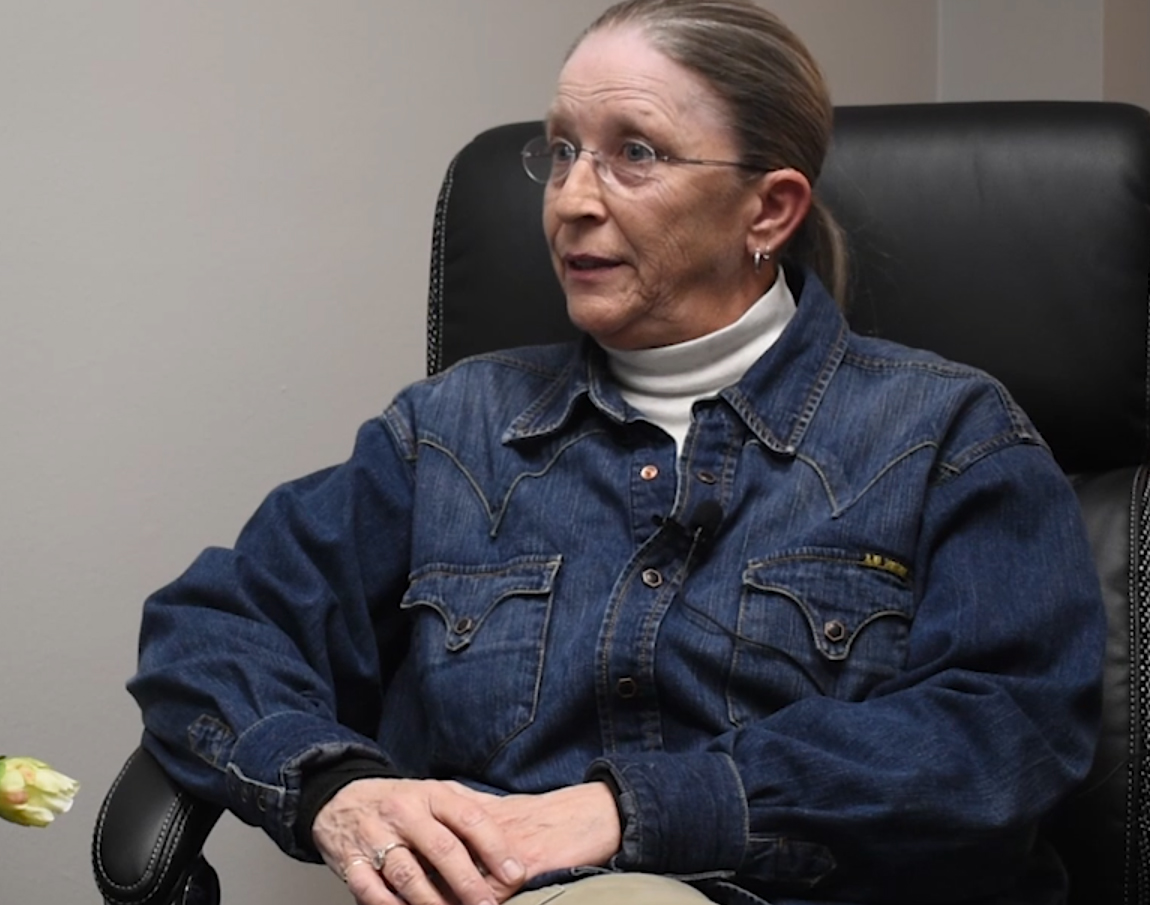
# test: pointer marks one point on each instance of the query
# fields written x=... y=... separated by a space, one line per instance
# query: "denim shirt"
x=846 y=648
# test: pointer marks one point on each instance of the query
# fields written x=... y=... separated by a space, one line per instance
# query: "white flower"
x=32 y=793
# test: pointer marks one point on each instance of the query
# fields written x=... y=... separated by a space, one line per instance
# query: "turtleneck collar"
x=663 y=383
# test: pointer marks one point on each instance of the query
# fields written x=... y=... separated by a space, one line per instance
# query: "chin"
x=594 y=315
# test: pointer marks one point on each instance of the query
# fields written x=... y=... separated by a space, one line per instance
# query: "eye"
x=637 y=152
x=562 y=151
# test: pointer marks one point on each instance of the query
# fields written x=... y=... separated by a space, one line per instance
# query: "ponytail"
x=820 y=243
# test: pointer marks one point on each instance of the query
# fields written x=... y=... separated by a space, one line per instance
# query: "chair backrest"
x=1012 y=236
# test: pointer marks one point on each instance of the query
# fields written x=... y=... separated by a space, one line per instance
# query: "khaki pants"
x=614 y=889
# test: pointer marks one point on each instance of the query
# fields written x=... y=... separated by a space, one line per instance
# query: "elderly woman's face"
x=666 y=260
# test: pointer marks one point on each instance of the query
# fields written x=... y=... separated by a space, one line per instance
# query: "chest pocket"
x=479 y=635
x=817 y=622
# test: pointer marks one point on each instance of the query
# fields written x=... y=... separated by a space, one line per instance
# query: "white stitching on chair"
x=1137 y=824
x=172 y=818
x=439 y=255
x=1132 y=570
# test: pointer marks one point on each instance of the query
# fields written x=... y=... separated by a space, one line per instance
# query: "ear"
x=783 y=199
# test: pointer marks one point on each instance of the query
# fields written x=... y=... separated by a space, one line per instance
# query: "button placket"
x=642 y=590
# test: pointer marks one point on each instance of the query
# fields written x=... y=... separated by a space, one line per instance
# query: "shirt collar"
x=585 y=377
x=776 y=398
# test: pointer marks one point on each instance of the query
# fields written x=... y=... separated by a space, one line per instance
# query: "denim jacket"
x=846 y=647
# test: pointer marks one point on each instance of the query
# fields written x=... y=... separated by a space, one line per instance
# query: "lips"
x=589 y=263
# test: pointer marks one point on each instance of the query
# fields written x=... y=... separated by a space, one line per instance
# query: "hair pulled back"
x=775 y=94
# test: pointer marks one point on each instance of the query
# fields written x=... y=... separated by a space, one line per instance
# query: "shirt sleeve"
x=938 y=780
x=264 y=661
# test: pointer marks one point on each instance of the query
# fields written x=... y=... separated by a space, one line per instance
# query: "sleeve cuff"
x=681 y=814
x=267 y=763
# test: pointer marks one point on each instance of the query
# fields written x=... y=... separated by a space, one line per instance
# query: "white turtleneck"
x=663 y=383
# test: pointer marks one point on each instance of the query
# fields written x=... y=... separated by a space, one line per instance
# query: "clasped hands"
x=431 y=842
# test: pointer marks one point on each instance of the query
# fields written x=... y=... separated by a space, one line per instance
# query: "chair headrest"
x=1014 y=236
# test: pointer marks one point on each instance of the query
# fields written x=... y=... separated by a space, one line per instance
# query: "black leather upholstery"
x=1102 y=831
x=146 y=848
x=1013 y=236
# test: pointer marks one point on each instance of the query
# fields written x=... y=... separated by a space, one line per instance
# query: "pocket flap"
x=838 y=592
x=465 y=596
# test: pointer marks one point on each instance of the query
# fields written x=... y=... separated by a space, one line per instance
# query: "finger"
x=451 y=863
x=409 y=879
x=367 y=886
x=468 y=819
x=465 y=791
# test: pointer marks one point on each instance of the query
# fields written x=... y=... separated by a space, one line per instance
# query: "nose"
x=580 y=194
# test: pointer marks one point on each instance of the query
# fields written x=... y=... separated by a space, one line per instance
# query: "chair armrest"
x=148 y=837
x=1100 y=829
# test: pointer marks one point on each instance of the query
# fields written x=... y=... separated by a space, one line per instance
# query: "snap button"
x=463 y=625
x=626 y=687
x=652 y=578
x=835 y=631
x=649 y=472
x=706 y=477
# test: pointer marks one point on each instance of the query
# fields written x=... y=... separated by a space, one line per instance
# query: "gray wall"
x=872 y=51
x=1126 y=51
x=1044 y=50
x=991 y=50
x=214 y=226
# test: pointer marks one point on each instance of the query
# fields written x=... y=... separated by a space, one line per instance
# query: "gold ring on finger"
x=358 y=859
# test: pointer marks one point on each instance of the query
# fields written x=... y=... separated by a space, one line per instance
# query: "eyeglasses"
x=632 y=163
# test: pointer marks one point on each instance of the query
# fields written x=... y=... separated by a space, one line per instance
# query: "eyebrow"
x=553 y=116
x=560 y=118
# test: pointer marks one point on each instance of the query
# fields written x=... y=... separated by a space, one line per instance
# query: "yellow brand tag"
x=885 y=564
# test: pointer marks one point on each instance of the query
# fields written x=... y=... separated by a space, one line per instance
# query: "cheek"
x=711 y=234
x=673 y=237
x=655 y=228
x=549 y=221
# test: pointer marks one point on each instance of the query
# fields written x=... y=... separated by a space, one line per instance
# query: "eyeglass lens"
x=550 y=161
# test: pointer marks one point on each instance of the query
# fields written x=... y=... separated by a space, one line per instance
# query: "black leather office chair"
x=1013 y=236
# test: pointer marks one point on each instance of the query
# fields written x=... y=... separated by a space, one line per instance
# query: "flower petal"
x=32 y=793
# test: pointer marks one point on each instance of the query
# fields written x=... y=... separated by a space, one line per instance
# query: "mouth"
x=589 y=263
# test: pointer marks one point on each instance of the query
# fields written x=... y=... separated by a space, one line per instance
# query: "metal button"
x=706 y=477
x=626 y=687
x=649 y=472
x=463 y=625
x=835 y=631
x=652 y=578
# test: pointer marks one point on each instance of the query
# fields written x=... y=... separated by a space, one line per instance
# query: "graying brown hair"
x=775 y=95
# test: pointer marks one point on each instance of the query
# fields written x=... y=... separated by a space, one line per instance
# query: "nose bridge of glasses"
x=598 y=161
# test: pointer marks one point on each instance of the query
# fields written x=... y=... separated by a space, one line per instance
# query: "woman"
x=734 y=604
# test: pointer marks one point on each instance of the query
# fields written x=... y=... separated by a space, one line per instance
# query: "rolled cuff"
x=267 y=762
x=683 y=814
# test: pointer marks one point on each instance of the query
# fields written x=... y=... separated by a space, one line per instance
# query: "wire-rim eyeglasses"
x=632 y=163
